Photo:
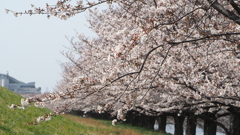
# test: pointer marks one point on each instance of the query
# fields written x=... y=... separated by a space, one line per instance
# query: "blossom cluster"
x=151 y=57
x=62 y=9
x=154 y=59
x=43 y=118
x=24 y=104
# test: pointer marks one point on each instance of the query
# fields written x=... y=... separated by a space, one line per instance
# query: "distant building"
x=17 y=86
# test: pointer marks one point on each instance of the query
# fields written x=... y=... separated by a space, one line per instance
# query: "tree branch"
x=218 y=123
x=229 y=14
x=235 y=6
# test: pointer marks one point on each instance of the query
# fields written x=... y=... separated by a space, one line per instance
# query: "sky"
x=30 y=45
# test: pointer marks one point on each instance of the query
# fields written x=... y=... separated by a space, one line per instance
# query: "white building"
x=17 y=86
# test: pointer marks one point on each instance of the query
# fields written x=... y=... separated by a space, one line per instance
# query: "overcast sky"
x=30 y=46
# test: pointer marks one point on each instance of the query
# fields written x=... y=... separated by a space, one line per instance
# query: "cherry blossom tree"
x=154 y=57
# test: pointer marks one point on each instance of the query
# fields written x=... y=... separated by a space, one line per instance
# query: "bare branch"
x=229 y=14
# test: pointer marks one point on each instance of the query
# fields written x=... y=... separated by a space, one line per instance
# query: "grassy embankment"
x=12 y=122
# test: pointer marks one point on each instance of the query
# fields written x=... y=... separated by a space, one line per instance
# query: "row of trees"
x=154 y=57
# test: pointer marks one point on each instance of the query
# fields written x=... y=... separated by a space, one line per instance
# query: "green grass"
x=141 y=130
x=12 y=122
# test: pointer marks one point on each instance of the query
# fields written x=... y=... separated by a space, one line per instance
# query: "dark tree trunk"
x=134 y=119
x=144 y=121
x=178 y=120
x=162 y=122
x=210 y=127
x=151 y=121
x=129 y=117
x=234 y=123
x=191 y=125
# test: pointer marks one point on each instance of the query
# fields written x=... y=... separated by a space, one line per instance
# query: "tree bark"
x=210 y=127
x=142 y=120
x=234 y=123
x=151 y=121
x=162 y=122
x=191 y=125
x=135 y=120
x=178 y=120
x=227 y=13
x=129 y=117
